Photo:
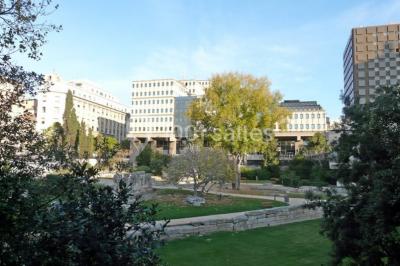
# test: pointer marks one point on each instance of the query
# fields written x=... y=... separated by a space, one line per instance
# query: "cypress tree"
x=83 y=141
x=90 y=142
x=70 y=122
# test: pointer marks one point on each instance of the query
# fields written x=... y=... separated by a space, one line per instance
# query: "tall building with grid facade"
x=158 y=111
x=371 y=59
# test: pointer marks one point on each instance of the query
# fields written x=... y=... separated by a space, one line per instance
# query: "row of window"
x=152 y=129
x=152 y=93
x=155 y=84
x=162 y=101
x=153 y=111
x=306 y=116
x=306 y=126
x=94 y=99
x=153 y=119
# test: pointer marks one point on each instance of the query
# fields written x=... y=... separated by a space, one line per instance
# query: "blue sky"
x=298 y=45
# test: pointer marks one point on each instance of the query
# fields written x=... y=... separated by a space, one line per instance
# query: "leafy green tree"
x=91 y=224
x=42 y=221
x=318 y=144
x=55 y=143
x=144 y=157
x=22 y=149
x=238 y=113
x=106 y=148
x=364 y=224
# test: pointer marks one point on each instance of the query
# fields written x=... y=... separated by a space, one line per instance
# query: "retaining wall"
x=241 y=221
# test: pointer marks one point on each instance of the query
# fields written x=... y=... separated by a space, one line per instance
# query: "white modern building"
x=97 y=108
x=153 y=114
x=306 y=119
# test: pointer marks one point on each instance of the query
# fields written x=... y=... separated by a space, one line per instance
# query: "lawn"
x=172 y=205
x=293 y=244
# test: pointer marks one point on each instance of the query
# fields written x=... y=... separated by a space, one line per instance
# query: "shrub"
x=264 y=173
x=144 y=168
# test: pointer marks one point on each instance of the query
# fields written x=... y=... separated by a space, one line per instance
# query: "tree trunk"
x=238 y=161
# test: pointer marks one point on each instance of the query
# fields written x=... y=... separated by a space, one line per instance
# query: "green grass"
x=293 y=244
x=171 y=204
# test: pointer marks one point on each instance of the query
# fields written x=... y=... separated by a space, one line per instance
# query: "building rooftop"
x=296 y=104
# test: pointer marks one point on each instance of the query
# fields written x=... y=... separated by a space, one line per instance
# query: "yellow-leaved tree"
x=238 y=113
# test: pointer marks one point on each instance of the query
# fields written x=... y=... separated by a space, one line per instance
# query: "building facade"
x=154 y=105
x=98 y=109
x=306 y=119
x=371 y=59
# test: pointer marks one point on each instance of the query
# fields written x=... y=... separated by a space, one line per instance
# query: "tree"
x=144 y=157
x=106 y=148
x=55 y=143
x=90 y=142
x=205 y=166
x=364 y=225
x=21 y=147
x=91 y=224
x=318 y=144
x=75 y=221
x=70 y=122
x=83 y=141
x=237 y=113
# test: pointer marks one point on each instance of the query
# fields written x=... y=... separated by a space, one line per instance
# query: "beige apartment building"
x=371 y=59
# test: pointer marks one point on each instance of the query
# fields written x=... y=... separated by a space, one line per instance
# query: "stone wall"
x=181 y=228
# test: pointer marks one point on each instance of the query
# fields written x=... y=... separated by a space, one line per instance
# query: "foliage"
x=263 y=173
x=364 y=225
x=21 y=147
x=307 y=172
x=70 y=122
x=152 y=159
x=143 y=168
x=88 y=224
x=144 y=157
x=106 y=148
x=237 y=114
x=297 y=244
x=55 y=143
x=204 y=166
x=67 y=221
x=270 y=153
x=317 y=144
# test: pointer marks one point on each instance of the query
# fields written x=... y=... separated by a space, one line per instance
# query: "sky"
x=297 y=45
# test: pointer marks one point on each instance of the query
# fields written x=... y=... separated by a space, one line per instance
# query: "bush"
x=153 y=160
x=264 y=173
x=305 y=172
x=144 y=168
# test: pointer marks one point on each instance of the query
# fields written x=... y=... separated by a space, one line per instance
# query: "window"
x=296 y=126
x=307 y=116
x=44 y=109
x=312 y=115
x=319 y=116
x=295 y=117
x=290 y=126
x=313 y=126
x=301 y=116
x=307 y=126
x=301 y=126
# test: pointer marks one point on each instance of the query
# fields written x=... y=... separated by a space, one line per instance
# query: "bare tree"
x=205 y=167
